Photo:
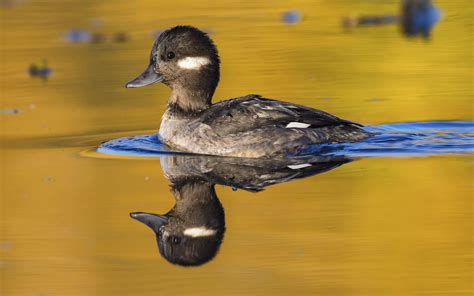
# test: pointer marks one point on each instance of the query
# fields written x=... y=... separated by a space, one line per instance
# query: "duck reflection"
x=417 y=18
x=191 y=233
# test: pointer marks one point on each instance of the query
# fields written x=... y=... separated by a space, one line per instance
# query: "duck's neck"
x=188 y=101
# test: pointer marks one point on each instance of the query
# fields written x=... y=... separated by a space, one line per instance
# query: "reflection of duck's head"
x=192 y=232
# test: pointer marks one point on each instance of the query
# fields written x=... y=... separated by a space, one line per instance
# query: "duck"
x=186 y=60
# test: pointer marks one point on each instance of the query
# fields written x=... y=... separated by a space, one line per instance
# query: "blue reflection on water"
x=421 y=20
x=390 y=140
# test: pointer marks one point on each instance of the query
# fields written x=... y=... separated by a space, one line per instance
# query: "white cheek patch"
x=297 y=125
x=299 y=166
x=193 y=63
x=199 y=232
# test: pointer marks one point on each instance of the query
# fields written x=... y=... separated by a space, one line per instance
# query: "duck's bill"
x=149 y=76
x=153 y=221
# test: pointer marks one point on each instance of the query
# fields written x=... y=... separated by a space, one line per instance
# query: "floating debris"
x=291 y=17
x=82 y=36
x=375 y=100
x=369 y=20
x=11 y=3
x=98 y=38
x=417 y=17
x=120 y=37
x=9 y=111
x=41 y=70
x=78 y=36
x=48 y=179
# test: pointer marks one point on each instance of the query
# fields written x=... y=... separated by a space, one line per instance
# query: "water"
x=357 y=221
x=389 y=140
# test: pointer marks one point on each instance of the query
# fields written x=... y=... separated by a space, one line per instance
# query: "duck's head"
x=185 y=59
x=192 y=232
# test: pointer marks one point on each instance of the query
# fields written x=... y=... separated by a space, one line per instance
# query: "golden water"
x=395 y=226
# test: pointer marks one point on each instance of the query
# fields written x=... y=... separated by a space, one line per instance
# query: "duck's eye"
x=175 y=240
x=170 y=55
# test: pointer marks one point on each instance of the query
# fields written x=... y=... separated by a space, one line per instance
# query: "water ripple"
x=391 y=140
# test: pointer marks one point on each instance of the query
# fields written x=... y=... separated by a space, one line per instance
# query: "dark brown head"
x=185 y=59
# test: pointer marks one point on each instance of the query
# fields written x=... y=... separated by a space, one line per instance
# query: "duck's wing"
x=253 y=112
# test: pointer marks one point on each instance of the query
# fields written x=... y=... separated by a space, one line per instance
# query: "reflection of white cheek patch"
x=199 y=231
x=193 y=63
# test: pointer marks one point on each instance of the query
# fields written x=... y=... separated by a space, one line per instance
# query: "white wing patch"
x=297 y=125
x=299 y=166
x=193 y=63
x=199 y=231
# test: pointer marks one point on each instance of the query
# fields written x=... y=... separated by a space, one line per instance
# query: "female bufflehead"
x=185 y=59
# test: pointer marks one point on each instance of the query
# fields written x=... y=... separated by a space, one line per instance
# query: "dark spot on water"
x=120 y=37
x=349 y=22
x=48 y=179
x=77 y=36
x=98 y=38
x=291 y=16
x=41 y=70
x=375 y=100
x=11 y=3
x=419 y=18
x=9 y=111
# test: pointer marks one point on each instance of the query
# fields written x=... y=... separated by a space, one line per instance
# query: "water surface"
x=371 y=226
